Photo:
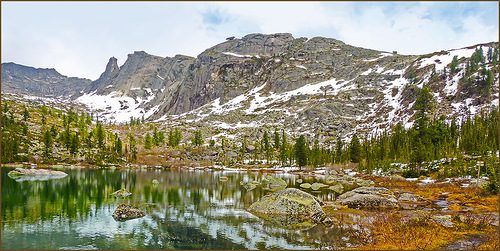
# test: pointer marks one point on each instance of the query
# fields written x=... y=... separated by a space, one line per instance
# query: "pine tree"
x=488 y=82
x=75 y=142
x=338 y=152
x=276 y=139
x=174 y=137
x=454 y=65
x=283 y=148
x=101 y=135
x=148 y=141
x=424 y=105
x=132 y=148
x=158 y=137
x=118 y=145
x=494 y=59
x=301 y=151
x=197 y=139
x=47 y=140
x=266 y=146
x=489 y=54
x=26 y=114
x=315 y=154
x=355 y=149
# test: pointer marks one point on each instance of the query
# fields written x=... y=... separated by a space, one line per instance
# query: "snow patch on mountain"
x=240 y=55
x=117 y=107
x=442 y=60
x=382 y=55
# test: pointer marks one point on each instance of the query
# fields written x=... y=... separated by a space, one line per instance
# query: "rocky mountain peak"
x=111 y=69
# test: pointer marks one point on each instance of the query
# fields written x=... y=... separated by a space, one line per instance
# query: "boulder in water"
x=316 y=186
x=273 y=183
x=23 y=174
x=126 y=212
x=337 y=188
x=305 y=185
x=251 y=185
x=290 y=208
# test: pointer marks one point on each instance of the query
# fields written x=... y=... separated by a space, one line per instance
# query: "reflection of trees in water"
x=195 y=203
x=69 y=197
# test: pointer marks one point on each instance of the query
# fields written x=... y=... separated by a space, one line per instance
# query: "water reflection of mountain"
x=186 y=210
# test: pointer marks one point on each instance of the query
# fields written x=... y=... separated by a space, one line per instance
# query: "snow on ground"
x=224 y=125
x=441 y=61
x=239 y=55
x=382 y=55
x=117 y=107
x=452 y=84
x=223 y=134
x=300 y=66
x=331 y=86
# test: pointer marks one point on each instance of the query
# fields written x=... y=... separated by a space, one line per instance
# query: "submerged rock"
x=122 y=193
x=305 y=185
x=369 y=197
x=289 y=208
x=273 y=183
x=339 y=188
x=22 y=174
x=316 y=186
x=251 y=185
x=126 y=212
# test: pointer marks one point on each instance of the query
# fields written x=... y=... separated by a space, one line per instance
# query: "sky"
x=78 y=38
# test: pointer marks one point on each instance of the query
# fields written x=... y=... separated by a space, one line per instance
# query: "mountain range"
x=305 y=85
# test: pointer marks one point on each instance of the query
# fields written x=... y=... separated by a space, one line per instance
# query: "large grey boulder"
x=290 y=208
x=369 y=197
x=23 y=174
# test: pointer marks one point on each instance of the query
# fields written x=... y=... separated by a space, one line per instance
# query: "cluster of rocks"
x=122 y=193
x=292 y=207
x=268 y=182
x=125 y=211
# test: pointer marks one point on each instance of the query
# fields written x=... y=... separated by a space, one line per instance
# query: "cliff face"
x=318 y=83
x=40 y=82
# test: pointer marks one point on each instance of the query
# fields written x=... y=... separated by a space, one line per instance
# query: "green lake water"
x=186 y=210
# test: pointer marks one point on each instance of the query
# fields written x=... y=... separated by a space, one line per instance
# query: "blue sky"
x=78 y=38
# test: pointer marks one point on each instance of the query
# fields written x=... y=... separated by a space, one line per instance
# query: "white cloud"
x=77 y=39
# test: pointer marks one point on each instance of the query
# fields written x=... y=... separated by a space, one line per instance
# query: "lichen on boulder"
x=23 y=174
x=289 y=208
x=126 y=212
x=272 y=183
x=369 y=197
